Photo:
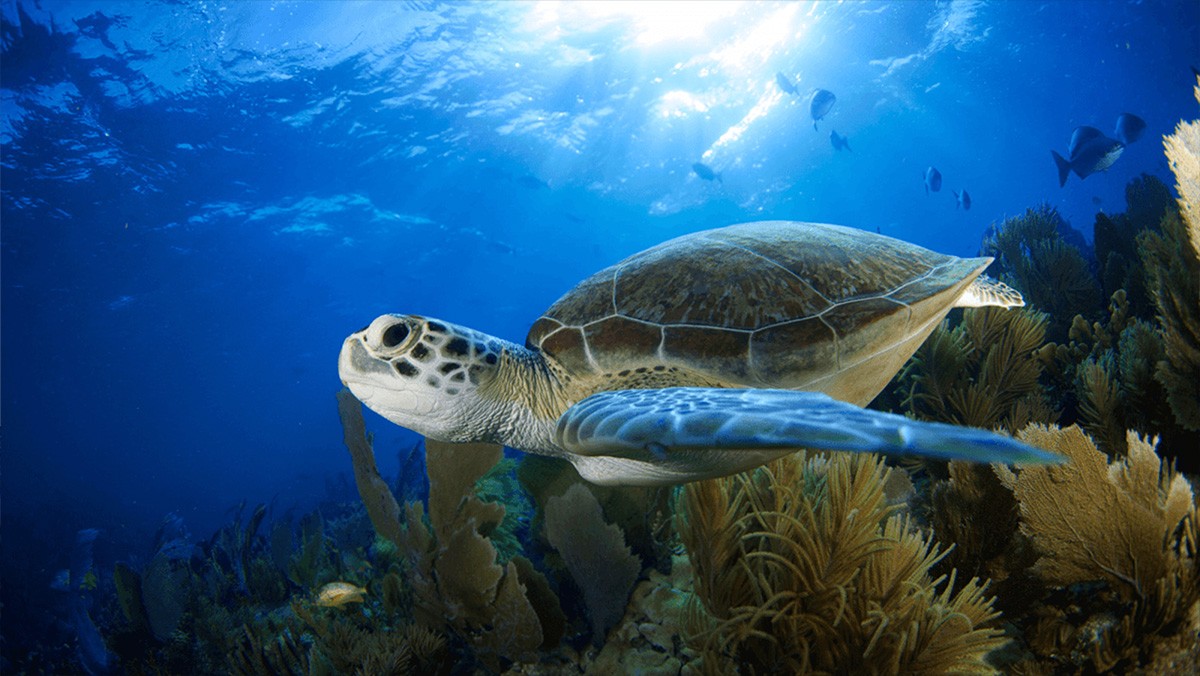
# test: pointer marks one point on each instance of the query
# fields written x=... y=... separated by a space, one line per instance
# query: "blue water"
x=202 y=199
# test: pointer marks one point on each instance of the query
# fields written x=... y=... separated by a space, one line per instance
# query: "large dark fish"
x=1129 y=128
x=785 y=83
x=819 y=105
x=705 y=172
x=933 y=180
x=1089 y=151
x=839 y=142
x=962 y=199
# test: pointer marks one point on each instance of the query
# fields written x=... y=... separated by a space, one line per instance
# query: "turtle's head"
x=421 y=373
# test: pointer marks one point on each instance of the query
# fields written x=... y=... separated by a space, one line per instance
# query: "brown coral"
x=982 y=373
x=802 y=566
x=1147 y=200
x=596 y=555
x=456 y=578
x=376 y=496
x=1033 y=257
x=1172 y=262
x=1175 y=286
x=348 y=644
x=1131 y=525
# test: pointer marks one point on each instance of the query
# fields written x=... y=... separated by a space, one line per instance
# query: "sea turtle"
x=706 y=355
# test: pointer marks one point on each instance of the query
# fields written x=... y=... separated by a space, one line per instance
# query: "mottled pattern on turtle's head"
x=409 y=369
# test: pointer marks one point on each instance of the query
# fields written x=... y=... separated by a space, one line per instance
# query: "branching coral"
x=1032 y=256
x=972 y=510
x=346 y=644
x=1183 y=154
x=1131 y=525
x=982 y=373
x=268 y=650
x=1171 y=258
x=802 y=566
x=1147 y=200
x=1100 y=411
x=1174 y=282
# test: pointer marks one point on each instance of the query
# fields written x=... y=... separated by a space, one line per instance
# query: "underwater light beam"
x=650 y=21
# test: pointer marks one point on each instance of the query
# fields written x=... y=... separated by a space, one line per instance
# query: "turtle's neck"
x=529 y=399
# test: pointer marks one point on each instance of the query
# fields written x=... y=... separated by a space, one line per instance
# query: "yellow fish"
x=338 y=594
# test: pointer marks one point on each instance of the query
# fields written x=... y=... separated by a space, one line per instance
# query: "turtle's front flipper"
x=656 y=424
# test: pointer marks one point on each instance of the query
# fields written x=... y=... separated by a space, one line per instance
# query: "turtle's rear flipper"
x=677 y=426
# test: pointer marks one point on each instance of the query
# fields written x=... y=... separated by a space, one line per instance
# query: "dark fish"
x=933 y=180
x=705 y=172
x=1081 y=136
x=839 y=142
x=963 y=200
x=1129 y=128
x=1096 y=200
x=819 y=105
x=785 y=83
x=1089 y=151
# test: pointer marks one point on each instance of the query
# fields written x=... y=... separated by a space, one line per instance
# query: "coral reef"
x=1118 y=263
x=647 y=640
x=1183 y=154
x=643 y=514
x=595 y=554
x=1129 y=526
x=1032 y=256
x=982 y=373
x=1172 y=261
x=376 y=496
x=453 y=569
x=801 y=566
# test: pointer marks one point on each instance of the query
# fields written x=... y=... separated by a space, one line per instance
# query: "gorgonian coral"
x=802 y=566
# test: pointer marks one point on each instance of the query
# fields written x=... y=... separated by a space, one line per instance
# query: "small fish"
x=338 y=594
x=962 y=200
x=933 y=180
x=1129 y=128
x=785 y=83
x=839 y=142
x=1090 y=151
x=1096 y=200
x=820 y=104
x=705 y=172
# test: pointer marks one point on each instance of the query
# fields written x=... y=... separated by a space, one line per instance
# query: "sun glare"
x=678 y=103
x=650 y=21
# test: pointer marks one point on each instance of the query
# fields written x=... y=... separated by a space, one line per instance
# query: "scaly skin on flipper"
x=759 y=306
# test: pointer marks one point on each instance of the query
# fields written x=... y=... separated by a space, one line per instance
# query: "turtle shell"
x=774 y=304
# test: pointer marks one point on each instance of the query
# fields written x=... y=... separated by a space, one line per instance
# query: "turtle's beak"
x=359 y=369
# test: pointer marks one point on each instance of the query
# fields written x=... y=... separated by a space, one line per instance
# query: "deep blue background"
x=200 y=200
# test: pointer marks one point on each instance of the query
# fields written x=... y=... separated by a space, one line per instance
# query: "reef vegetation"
x=480 y=563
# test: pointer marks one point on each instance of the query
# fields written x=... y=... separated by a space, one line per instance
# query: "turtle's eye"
x=395 y=334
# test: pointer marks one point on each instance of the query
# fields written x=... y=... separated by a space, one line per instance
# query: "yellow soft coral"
x=982 y=373
x=1172 y=263
x=1131 y=524
x=1183 y=152
x=801 y=566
